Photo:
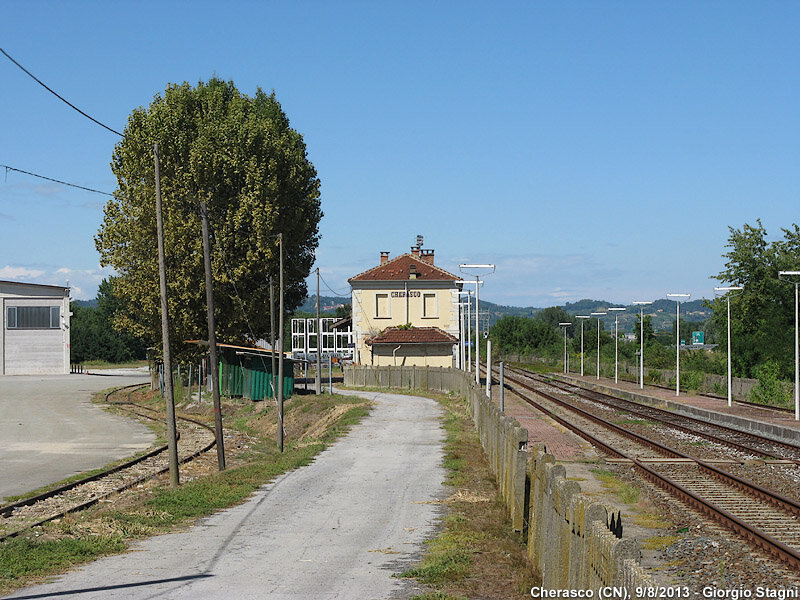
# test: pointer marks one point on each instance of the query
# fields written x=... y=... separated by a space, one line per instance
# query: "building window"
x=430 y=309
x=33 y=317
x=382 y=306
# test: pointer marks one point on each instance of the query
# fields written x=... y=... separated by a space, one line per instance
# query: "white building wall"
x=34 y=351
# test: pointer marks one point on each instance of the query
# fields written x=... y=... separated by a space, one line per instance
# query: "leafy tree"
x=92 y=333
x=238 y=154
x=762 y=314
x=522 y=335
x=554 y=315
x=647 y=326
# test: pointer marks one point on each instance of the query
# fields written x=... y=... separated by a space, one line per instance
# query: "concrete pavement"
x=49 y=428
x=337 y=528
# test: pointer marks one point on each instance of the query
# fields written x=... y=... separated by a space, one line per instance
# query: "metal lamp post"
x=598 y=314
x=582 y=318
x=468 y=293
x=616 y=341
x=565 y=325
x=784 y=276
x=678 y=340
x=727 y=291
x=489 y=269
x=641 y=304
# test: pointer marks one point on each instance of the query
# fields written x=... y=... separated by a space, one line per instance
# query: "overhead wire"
x=74 y=185
x=59 y=96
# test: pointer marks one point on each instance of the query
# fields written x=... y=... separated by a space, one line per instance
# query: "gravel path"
x=338 y=528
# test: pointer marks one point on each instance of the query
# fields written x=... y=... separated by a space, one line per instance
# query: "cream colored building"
x=408 y=292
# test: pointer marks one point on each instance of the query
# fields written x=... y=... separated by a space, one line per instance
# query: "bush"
x=770 y=389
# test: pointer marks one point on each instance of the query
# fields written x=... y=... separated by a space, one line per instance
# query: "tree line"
x=762 y=318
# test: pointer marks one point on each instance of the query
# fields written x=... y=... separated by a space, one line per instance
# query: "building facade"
x=34 y=329
x=407 y=293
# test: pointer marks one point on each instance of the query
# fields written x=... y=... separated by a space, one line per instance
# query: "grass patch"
x=312 y=423
x=477 y=554
x=625 y=492
x=660 y=542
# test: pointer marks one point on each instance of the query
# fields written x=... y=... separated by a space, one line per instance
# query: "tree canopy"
x=238 y=154
x=762 y=314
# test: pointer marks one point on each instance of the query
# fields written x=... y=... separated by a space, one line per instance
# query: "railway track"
x=742 y=441
x=195 y=437
x=765 y=519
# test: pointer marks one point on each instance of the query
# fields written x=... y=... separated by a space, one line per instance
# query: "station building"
x=406 y=312
x=34 y=329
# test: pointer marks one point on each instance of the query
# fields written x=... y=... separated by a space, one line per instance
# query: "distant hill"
x=86 y=303
x=662 y=311
x=326 y=303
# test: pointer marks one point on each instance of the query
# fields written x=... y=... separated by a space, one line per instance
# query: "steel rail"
x=670 y=418
x=758 y=538
x=8 y=509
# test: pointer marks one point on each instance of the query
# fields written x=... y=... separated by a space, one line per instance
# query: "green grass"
x=626 y=492
x=23 y=558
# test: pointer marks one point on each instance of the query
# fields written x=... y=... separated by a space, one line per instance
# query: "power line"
x=80 y=187
x=60 y=97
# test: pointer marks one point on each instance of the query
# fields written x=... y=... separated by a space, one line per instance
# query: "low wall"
x=569 y=537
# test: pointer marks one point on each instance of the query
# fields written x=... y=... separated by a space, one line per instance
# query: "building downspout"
x=394 y=354
x=407 y=319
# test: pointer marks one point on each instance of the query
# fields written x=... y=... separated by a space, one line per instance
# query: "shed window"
x=33 y=317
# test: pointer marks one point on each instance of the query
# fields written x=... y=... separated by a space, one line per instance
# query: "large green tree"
x=238 y=154
x=762 y=315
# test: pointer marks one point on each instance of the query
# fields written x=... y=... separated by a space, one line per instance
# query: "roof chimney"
x=384 y=257
x=427 y=256
x=415 y=251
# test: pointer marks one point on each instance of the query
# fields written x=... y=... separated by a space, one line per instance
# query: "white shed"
x=34 y=329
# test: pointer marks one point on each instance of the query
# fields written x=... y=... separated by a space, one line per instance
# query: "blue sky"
x=588 y=149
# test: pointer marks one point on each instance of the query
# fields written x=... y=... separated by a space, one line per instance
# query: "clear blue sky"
x=588 y=149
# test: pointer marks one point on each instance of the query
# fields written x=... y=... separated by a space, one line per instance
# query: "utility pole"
x=212 y=339
x=280 y=347
x=172 y=437
x=318 y=377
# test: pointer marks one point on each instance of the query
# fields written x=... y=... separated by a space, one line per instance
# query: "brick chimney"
x=427 y=256
x=415 y=251
x=384 y=257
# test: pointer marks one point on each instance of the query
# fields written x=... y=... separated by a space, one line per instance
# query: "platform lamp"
x=616 y=340
x=487 y=269
x=565 y=325
x=678 y=339
x=726 y=291
x=598 y=314
x=641 y=304
x=582 y=318
x=794 y=278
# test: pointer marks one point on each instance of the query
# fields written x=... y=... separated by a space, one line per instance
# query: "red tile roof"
x=399 y=269
x=415 y=335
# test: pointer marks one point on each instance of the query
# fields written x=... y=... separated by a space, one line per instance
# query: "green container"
x=248 y=375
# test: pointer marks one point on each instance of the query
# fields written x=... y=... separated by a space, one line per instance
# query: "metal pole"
x=796 y=359
x=488 y=368
x=616 y=348
x=280 y=347
x=461 y=354
x=598 y=349
x=502 y=387
x=581 y=347
x=172 y=437
x=678 y=349
x=730 y=379
x=330 y=374
x=641 y=348
x=565 y=350
x=318 y=376
x=469 y=332
x=477 y=333
x=212 y=339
